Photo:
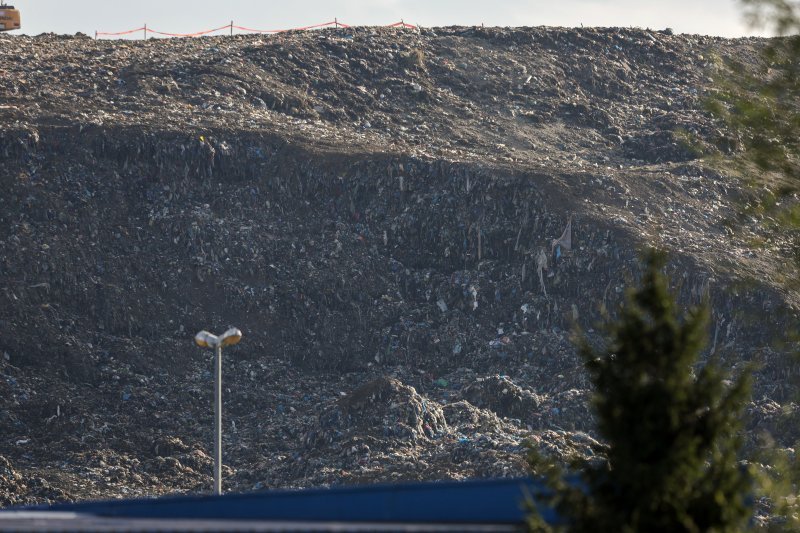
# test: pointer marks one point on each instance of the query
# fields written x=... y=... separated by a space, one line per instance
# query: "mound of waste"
x=504 y=397
x=16 y=489
x=406 y=225
x=384 y=407
x=499 y=394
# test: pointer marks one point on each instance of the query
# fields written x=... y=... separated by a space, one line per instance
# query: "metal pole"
x=218 y=424
x=231 y=28
x=145 y=32
x=204 y=339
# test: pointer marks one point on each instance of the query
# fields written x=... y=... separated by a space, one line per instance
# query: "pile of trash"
x=504 y=397
x=16 y=489
x=10 y=483
x=408 y=227
x=383 y=407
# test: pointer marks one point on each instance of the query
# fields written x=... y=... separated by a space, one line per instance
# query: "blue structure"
x=489 y=503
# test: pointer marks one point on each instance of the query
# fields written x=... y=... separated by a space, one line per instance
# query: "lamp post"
x=205 y=339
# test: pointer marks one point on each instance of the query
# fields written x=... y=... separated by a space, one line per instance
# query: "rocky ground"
x=375 y=209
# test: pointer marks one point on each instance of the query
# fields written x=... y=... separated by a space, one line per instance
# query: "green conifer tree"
x=670 y=460
x=757 y=98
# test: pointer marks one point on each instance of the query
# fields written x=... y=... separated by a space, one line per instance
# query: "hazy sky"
x=711 y=17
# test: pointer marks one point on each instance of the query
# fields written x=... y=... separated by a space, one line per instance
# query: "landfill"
x=410 y=227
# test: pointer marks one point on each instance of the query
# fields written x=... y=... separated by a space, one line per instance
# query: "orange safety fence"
x=324 y=24
x=120 y=32
x=232 y=27
x=198 y=34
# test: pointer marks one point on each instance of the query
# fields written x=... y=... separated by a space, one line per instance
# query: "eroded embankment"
x=332 y=259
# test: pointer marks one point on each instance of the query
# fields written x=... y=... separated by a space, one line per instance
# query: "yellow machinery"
x=9 y=18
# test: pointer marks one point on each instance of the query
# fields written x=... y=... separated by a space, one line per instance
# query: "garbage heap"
x=408 y=227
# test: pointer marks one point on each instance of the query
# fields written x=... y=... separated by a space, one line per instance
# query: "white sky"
x=710 y=17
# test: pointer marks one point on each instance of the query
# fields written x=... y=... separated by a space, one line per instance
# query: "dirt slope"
x=362 y=204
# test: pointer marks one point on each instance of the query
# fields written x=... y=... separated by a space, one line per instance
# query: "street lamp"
x=205 y=339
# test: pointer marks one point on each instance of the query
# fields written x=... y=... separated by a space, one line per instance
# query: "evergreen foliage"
x=672 y=437
x=760 y=104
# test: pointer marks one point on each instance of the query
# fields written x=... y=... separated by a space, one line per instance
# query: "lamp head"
x=231 y=337
x=205 y=339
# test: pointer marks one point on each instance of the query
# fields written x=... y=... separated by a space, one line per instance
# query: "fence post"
x=95 y=35
x=231 y=28
x=336 y=22
x=145 y=31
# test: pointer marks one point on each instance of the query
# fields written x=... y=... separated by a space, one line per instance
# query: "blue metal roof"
x=497 y=502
